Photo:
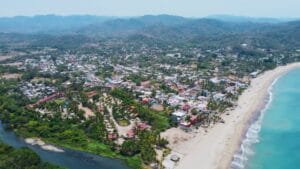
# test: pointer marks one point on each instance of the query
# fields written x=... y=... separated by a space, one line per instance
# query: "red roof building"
x=145 y=84
x=56 y=95
x=142 y=126
x=185 y=124
x=145 y=100
x=112 y=136
x=130 y=134
x=186 y=107
x=193 y=119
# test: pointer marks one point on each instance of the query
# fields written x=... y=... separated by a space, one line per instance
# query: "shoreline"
x=241 y=154
x=216 y=148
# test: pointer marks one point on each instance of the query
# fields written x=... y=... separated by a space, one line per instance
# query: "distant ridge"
x=48 y=23
x=232 y=18
x=53 y=24
x=220 y=31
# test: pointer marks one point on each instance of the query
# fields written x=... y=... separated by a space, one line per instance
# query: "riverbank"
x=72 y=157
x=19 y=158
x=99 y=149
x=215 y=149
x=42 y=144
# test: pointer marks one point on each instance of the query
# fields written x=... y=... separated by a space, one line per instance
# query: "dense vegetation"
x=89 y=136
x=158 y=121
x=11 y=158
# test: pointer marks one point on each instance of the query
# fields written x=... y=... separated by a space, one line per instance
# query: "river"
x=71 y=159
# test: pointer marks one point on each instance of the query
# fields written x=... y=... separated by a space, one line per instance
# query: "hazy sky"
x=192 y=8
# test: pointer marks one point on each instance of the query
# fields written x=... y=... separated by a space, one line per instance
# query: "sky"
x=188 y=8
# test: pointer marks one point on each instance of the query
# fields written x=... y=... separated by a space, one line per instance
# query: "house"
x=56 y=95
x=254 y=74
x=185 y=124
x=157 y=107
x=214 y=80
x=178 y=115
x=145 y=100
x=230 y=89
x=186 y=107
x=112 y=136
x=91 y=94
x=145 y=84
x=130 y=134
x=202 y=106
x=175 y=100
x=153 y=101
x=219 y=96
x=142 y=126
x=193 y=120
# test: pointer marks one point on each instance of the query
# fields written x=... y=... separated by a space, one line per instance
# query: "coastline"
x=216 y=148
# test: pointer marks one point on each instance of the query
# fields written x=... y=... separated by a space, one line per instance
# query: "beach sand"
x=215 y=149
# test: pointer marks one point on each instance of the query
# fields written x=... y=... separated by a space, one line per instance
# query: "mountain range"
x=215 y=30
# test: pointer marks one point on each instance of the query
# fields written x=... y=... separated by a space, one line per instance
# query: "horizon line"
x=134 y=16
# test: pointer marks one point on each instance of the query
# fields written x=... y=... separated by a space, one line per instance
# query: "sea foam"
x=252 y=135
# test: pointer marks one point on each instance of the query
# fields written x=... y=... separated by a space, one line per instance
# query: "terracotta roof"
x=130 y=134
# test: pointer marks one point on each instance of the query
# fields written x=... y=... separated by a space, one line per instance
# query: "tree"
x=148 y=154
x=194 y=111
x=11 y=158
x=162 y=142
x=153 y=93
x=129 y=148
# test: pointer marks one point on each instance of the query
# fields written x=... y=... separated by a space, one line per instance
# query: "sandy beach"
x=215 y=149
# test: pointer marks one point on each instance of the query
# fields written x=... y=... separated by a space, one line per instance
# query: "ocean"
x=273 y=139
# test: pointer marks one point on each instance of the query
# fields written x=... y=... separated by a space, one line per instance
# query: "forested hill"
x=50 y=24
x=212 y=31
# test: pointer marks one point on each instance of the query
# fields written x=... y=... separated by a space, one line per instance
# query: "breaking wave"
x=252 y=135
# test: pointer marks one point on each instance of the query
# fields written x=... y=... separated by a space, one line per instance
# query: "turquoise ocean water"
x=273 y=139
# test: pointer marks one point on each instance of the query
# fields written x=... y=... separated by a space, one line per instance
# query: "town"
x=125 y=95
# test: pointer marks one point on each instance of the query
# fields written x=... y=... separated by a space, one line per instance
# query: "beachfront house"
x=177 y=116
x=254 y=74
